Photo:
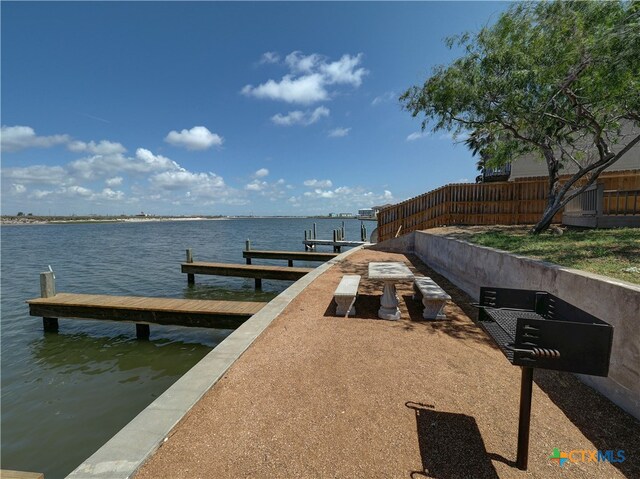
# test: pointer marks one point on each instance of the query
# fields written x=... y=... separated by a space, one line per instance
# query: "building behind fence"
x=516 y=202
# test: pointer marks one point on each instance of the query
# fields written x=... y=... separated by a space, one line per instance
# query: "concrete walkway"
x=317 y=396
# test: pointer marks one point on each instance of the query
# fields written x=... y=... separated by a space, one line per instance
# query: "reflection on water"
x=81 y=389
x=66 y=394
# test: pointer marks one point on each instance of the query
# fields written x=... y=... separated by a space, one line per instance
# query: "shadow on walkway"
x=451 y=445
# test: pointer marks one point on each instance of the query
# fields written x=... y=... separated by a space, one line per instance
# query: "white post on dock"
x=48 y=290
x=191 y=278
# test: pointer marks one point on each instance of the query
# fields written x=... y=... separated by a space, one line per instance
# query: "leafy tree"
x=558 y=79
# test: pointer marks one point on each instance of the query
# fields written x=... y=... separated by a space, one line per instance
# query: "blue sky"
x=223 y=108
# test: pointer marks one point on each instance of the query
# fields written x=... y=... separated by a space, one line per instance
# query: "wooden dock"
x=290 y=256
x=259 y=272
x=337 y=244
x=8 y=474
x=143 y=310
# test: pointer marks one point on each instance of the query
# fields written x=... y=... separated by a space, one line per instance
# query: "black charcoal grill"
x=535 y=329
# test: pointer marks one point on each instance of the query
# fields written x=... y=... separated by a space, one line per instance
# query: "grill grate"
x=508 y=319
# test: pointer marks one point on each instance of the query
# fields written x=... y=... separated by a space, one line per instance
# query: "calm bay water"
x=65 y=394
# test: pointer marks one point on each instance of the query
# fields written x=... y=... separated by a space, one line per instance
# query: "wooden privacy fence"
x=507 y=203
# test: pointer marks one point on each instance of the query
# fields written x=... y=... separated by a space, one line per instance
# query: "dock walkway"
x=291 y=256
x=320 y=396
x=165 y=311
x=259 y=272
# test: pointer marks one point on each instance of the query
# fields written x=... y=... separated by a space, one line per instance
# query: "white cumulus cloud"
x=115 y=181
x=14 y=138
x=309 y=78
x=200 y=182
x=256 y=185
x=339 y=132
x=301 y=117
x=261 y=173
x=102 y=148
x=318 y=183
x=40 y=174
x=270 y=57
x=384 y=98
x=306 y=89
x=197 y=138
x=416 y=135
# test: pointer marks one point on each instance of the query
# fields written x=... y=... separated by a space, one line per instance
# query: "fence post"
x=600 y=200
x=48 y=290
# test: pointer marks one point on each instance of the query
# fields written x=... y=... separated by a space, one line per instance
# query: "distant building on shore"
x=370 y=213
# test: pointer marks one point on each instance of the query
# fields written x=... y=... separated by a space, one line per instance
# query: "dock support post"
x=524 y=421
x=335 y=238
x=142 y=331
x=314 y=231
x=342 y=232
x=47 y=290
x=290 y=263
x=306 y=246
x=191 y=278
x=248 y=248
x=258 y=283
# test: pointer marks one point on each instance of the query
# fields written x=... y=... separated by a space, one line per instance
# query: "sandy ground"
x=318 y=396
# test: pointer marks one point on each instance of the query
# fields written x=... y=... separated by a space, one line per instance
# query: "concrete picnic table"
x=390 y=272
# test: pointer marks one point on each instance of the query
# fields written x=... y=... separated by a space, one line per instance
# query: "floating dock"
x=142 y=310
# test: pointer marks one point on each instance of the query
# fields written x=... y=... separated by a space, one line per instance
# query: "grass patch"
x=614 y=252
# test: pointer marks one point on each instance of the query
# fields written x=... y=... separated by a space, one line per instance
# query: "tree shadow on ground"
x=606 y=425
x=451 y=445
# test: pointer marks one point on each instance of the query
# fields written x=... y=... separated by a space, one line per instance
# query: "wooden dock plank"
x=9 y=474
x=166 y=311
x=289 y=255
x=313 y=242
x=246 y=270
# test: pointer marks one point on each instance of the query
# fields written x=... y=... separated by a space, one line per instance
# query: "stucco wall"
x=616 y=302
x=533 y=165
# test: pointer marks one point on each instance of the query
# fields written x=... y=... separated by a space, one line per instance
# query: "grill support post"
x=524 y=421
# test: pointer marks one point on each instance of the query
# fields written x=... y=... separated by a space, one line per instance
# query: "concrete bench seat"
x=345 y=295
x=433 y=297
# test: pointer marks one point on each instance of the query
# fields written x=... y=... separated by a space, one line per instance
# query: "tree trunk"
x=546 y=219
x=553 y=202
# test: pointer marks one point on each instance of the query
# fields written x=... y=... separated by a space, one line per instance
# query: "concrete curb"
x=124 y=453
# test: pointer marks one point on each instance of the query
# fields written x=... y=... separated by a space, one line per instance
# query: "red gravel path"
x=321 y=397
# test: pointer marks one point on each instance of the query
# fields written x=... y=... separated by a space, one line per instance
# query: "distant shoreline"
x=59 y=220
x=47 y=220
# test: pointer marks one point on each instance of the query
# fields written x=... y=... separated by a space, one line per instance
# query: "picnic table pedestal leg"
x=389 y=302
